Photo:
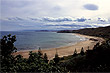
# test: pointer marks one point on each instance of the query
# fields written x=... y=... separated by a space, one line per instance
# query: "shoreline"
x=68 y=44
x=65 y=50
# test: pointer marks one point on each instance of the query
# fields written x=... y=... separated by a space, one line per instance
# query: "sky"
x=53 y=14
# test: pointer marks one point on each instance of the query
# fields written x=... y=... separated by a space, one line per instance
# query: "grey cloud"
x=15 y=19
x=71 y=25
x=34 y=19
x=52 y=23
x=101 y=20
x=63 y=19
x=89 y=19
x=81 y=19
x=91 y=7
x=56 y=19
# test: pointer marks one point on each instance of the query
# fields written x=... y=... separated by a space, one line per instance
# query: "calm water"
x=30 y=40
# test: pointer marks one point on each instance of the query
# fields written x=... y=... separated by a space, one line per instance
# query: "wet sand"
x=66 y=50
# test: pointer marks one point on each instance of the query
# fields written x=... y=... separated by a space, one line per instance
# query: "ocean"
x=30 y=40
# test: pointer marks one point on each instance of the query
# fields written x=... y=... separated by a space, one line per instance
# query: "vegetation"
x=99 y=32
x=56 y=59
x=75 y=53
x=82 y=51
x=37 y=62
x=96 y=60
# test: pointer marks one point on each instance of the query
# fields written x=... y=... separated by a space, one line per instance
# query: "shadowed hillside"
x=99 y=32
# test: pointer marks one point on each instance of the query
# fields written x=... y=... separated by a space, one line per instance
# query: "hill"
x=99 y=32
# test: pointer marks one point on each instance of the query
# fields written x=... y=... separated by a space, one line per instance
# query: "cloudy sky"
x=53 y=14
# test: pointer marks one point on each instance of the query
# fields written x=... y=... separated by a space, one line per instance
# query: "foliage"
x=96 y=60
x=75 y=53
x=35 y=63
x=82 y=51
x=56 y=59
x=99 y=32
x=7 y=48
x=7 y=45
x=45 y=58
x=40 y=52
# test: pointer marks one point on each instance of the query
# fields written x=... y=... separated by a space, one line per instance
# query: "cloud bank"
x=53 y=14
x=51 y=23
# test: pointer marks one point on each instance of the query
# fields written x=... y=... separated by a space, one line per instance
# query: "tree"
x=97 y=45
x=19 y=58
x=7 y=48
x=45 y=58
x=75 y=53
x=40 y=52
x=82 y=51
x=56 y=59
x=7 y=45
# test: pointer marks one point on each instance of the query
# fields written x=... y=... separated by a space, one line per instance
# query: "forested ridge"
x=103 y=32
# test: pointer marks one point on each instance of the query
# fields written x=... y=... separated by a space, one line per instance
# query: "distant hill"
x=42 y=30
x=46 y=30
x=99 y=32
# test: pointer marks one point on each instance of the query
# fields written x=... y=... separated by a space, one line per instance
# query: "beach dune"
x=66 y=50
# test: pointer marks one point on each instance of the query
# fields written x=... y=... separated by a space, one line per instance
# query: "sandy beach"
x=66 y=50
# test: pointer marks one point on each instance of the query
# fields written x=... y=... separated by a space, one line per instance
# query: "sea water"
x=30 y=40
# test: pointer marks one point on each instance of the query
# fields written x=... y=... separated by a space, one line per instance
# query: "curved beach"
x=66 y=50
